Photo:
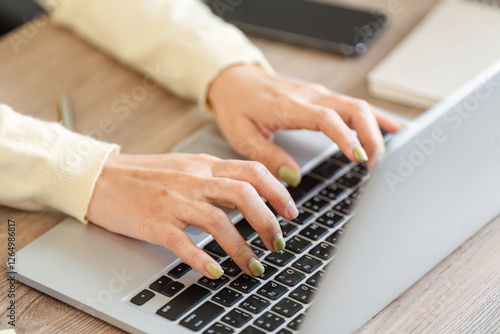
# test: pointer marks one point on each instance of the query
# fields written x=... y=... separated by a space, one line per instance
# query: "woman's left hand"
x=250 y=105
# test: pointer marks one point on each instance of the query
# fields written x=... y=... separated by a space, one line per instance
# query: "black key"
x=227 y=297
x=345 y=206
x=327 y=169
x=269 y=321
x=303 y=217
x=160 y=283
x=332 y=191
x=290 y=277
x=295 y=323
x=245 y=283
x=348 y=180
x=280 y=258
x=142 y=297
x=272 y=290
x=335 y=236
x=236 y=318
x=323 y=251
x=214 y=247
x=180 y=270
x=330 y=219
x=284 y=331
x=357 y=193
x=259 y=243
x=230 y=268
x=251 y=330
x=213 y=284
x=184 y=302
x=297 y=244
x=245 y=229
x=287 y=228
x=307 y=264
x=287 y=307
x=339 y=156
x=257 y=251
x=218 y=328
x=313 y=231
x=202 y=316
x=255 y=304
x=172 y=289
x=361 y=169
x=215 y=257
x=315 y=203
x=315 y=280
x=270 y=271
x=303 y=294
x=307 y=184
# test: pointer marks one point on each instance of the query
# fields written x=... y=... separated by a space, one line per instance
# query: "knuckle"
x=216 y=218
x=244 y=190
x=241 y=250
x=319 y=87
x=269 y=222
x=256 y=170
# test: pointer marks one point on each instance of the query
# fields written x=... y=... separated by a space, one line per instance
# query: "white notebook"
x=456 y=41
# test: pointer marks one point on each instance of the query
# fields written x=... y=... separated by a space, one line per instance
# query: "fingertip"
x=290 y=175
x=214 y=270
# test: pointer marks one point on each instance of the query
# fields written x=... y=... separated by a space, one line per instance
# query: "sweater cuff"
x=69 y=173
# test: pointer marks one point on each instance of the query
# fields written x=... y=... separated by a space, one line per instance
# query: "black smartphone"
x=324 y=26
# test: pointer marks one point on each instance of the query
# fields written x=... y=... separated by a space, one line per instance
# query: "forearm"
x=43 y=165
x=180 y=43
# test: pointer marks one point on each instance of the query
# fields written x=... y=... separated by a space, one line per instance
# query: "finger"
x=386 y=122
x=246 y=199
x=220 y=226
x=256 y=174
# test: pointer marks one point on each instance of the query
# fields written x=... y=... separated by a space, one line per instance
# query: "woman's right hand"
x=156 y=197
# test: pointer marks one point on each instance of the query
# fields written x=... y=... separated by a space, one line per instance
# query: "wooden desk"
x=460 y=295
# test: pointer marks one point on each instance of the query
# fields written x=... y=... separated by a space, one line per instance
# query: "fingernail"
x=279 y=243
x=215 y=270
x=289 y=175
x=360 y=154
x=256 y=267
x=291 y=210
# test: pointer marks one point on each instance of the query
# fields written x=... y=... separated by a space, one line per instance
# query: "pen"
x=65 y=112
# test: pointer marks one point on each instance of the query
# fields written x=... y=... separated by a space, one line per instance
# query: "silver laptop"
x=437 y=186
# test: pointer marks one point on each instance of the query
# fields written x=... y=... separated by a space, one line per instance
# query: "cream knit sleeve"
x=43 y=165
x=178 y=42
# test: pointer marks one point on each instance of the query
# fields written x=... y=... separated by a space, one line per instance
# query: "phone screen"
x=319 y=25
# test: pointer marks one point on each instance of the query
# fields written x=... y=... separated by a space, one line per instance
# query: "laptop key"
x=230 y=267
x=202 y=316
x=269 y=271
x=313 y=232
x=307 y=264
x=215 y=257
x=284 y=331
x=180 y=270
x=227 y=297
x=303 y=294
x=330 y=219
x=160 y=283
x=295 y=323
x=214 y=247
x=323 y=251
x=236 y=318
x=287 y=307
x=213 y=284
x=303 y=217
x=172 y=289
x=335 y=237
x=245 y=283
x=280 y=258
x=245 y=229
x=361 y=169
x=307 y=184
x=345 y=206
x=258 y=252
x=348 y=180
x=184 y=302
x=332 y=192
x=315 y=280
x=339 y=156
x=287 y=228
x=357 y=193
x=269 y=321
x=255 y=304
x=142 y=297
x=218 y=328
x=251 y=330
x=298 y=244
x=259 y=243
x=315 y=204
x=290 y=277
x=272 y=290
x=327 y=169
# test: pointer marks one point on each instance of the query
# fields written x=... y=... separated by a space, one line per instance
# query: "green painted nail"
x=215 y=270
x=360 y=154
x=256 y=267
x=279 y=243
x=289 y=175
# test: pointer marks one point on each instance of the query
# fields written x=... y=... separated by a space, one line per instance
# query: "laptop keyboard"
x=277 y=301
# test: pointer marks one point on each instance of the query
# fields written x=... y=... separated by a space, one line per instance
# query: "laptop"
x=436 y=187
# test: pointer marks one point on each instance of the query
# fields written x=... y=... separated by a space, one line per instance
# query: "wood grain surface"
x=39 y=62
